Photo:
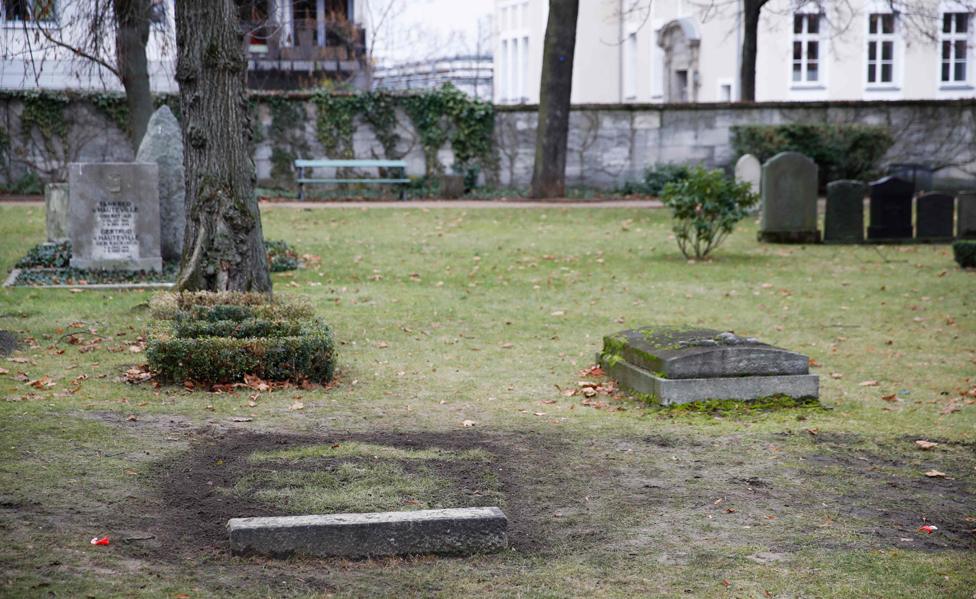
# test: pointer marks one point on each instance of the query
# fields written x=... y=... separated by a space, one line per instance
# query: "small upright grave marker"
x=748 y=169
x=844 y=219
x=966 y=219
x=934 y=217
x=891 y=210
x=676 y=365
x=789 y=199
x=163 y=144
x=56 y=211
x=114 y=211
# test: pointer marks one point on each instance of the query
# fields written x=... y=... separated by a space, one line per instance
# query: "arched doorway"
x=680 y=41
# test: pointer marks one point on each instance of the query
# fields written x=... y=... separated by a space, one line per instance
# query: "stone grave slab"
x=966 y=217
x=891 y=210
x=163 y=144
x=461 y=531
x=789 y=199
x=844 y=218
x=680 y=365
x=56 y=211
x=934 y=217
x=114 y=216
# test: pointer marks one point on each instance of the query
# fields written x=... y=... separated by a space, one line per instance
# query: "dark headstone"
x=789 y=199
x=8 y=343
x=679 y=365
x=966 y=219
x=844 y=220
x=934 y=216
x=919 y=175
x=452 y=186
x=891 y=210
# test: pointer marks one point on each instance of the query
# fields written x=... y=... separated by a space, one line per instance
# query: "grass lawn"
x=461 y=334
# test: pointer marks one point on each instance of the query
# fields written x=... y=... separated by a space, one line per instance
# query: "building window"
x=806 y=48
x=28 y=10
x=524 y=68
x=503 y=71
x=513 y=59
x=630 y=67
x=955 y=46
x=881 y=48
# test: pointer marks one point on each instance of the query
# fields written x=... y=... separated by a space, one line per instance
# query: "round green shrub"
x=705 y=207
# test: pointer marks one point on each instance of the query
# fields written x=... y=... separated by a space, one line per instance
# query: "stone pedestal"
x=114 y=216
x=56 y=211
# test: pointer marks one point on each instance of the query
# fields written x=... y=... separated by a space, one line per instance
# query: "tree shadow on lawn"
x=671 y=497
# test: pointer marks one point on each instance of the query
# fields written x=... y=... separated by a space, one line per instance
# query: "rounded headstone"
x=789 y=199
x=163 y=144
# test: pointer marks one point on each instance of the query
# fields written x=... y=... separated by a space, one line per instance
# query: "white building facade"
x=676 y=51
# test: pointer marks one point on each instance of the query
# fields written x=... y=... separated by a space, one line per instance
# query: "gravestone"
x=844 y=218
x=675 y=365
x=163 y=144
x=56 y=211
x=891 y=210
x=789 y=199
x=919 y=175
x=966 y=219
x=114 y=216
x=934 y=217
x=748 y=169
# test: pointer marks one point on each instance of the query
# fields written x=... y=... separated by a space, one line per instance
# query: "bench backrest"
x=350 y=164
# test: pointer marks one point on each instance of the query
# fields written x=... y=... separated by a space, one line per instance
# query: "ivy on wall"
x=438 y=116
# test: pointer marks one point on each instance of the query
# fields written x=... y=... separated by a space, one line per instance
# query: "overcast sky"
x=425 y=29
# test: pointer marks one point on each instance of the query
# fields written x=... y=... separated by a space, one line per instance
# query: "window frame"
x=514 y=33
x=804 y=37
x=879 y=38
x=53 y=23
x=952 y=37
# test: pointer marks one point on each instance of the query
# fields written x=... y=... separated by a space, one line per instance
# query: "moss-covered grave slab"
x=676 y=365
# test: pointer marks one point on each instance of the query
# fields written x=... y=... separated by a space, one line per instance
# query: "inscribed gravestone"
x=966 y=224
x=789 y=199
x=891 y=209
x=934 y=215
x=163 y=144
x=844 y=218
x=114 y=210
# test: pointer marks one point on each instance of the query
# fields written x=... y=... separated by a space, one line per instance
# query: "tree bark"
x=549 y=171
x=751 y=10
x=131 y=37
x=223 y=248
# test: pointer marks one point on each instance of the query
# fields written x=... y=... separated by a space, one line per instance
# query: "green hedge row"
x=236 y=329
x=841 y=151
x=309 y=356
x=965 y=253
x=220 y=337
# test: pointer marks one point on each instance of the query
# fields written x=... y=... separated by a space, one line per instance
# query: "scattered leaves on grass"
x=923 y=444
x=890 y=398
x=136 y=374
x=868 y=384
x=18 y=360
x=4 y=371
x=594 y=370
x=297 y=405
x=468 y=423
x=935 y=474
x=44 y=382
x=382 y=345
x=241 y=419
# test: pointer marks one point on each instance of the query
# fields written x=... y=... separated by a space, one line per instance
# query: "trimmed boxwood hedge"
x=965 y=253
x=197 y=338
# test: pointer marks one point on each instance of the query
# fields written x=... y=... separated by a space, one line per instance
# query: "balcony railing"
x=344 y=41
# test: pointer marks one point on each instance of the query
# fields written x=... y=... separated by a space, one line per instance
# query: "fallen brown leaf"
x=935 y=474
x=923 y=444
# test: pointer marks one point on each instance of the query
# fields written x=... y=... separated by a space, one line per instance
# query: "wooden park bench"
x=307 y=178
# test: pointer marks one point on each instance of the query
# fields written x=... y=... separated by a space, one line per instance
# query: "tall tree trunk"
x=751 y=10
x=131 y=37
x=549 y=172
x=223 y=247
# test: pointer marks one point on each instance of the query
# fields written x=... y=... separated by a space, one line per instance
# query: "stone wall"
x=608 y=144
x=612 y=144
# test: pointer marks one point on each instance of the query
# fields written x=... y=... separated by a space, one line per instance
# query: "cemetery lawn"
x=461 y=334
